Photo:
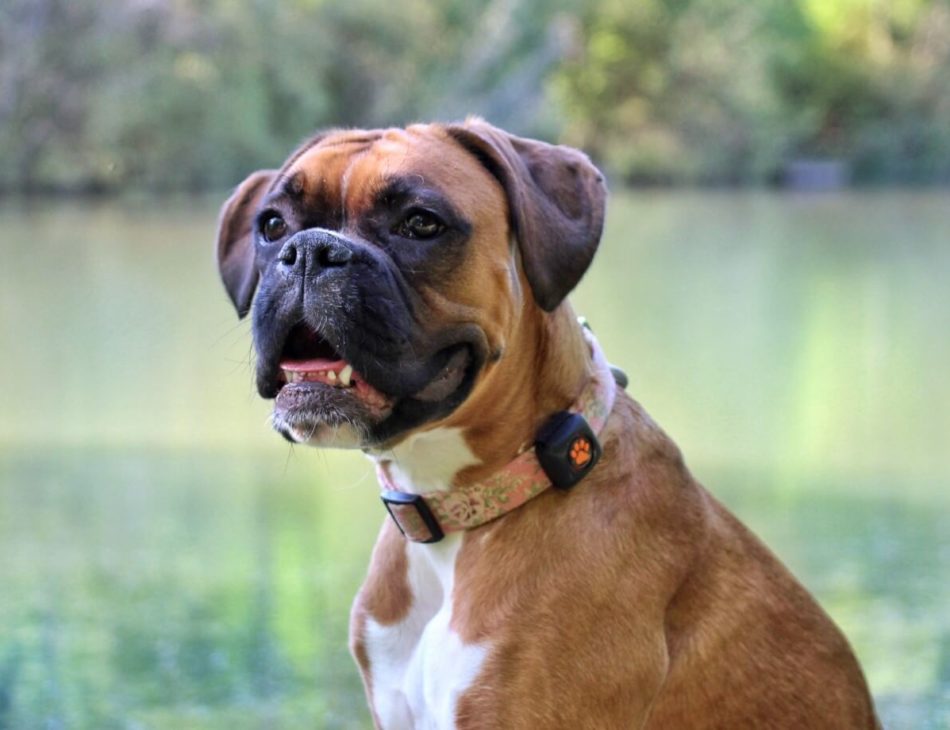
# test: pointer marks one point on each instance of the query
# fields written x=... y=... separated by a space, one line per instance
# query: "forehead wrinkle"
x=277 y=189
x=291 y=184
x=347 y=175
x=318 y=169
x=355 y=137
x=385 y=169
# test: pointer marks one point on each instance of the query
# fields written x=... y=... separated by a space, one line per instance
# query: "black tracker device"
x=567 y=449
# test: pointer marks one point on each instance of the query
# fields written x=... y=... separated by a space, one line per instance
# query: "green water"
x=168 y=562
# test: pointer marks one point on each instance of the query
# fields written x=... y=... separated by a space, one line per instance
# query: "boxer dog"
x=548 y=561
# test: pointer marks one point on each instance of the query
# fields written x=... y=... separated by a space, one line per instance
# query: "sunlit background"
x=773 y=278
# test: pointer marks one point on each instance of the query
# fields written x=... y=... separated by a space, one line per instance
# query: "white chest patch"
x=419 y=667
x=427 y=461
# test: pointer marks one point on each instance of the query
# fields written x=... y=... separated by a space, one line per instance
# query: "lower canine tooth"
x=331 y=376
x=345 y=374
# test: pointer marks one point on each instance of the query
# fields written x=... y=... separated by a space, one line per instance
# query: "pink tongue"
x=319 y=364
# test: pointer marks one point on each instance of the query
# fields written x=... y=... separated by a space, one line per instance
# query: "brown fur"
x=642 y=603
x=635 y=600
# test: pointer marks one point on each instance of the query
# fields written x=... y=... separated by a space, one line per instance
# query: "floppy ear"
x=556 y=199
x=236 y=239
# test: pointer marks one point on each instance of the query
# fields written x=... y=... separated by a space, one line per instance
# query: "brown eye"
x=273 y=228
x=420 y=224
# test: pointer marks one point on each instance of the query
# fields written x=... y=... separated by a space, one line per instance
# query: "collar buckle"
x=412 y=516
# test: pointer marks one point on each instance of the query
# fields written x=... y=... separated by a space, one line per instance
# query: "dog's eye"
x=273 y=228
x=420 y=224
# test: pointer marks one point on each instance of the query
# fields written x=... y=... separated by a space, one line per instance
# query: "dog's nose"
x=313 y=250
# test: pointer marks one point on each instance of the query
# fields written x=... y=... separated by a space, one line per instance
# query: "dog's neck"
x=503 y=413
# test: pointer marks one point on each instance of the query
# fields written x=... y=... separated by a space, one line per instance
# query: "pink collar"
x=427 y=517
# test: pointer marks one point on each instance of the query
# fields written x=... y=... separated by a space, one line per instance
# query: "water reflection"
x=167 y=562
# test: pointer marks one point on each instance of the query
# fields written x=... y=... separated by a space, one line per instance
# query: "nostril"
x=335 y=255
x=288 y=254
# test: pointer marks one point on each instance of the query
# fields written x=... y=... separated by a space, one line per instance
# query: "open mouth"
x=309 y=361
x=317 y=388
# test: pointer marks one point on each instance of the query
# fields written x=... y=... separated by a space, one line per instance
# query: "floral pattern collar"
x=428 y=517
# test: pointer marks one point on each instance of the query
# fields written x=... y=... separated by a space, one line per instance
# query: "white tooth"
x=345 y=374
x=331 y=376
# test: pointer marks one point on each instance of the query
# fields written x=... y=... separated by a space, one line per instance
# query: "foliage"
x=662 y=92
x=729 y=91
x=196 y=93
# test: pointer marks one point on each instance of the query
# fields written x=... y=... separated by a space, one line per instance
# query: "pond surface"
x=166 y=561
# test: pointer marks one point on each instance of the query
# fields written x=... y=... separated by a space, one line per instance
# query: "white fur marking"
x=419 y=667
x=427 y=461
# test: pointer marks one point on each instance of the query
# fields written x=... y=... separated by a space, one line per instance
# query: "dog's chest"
x=418 y=666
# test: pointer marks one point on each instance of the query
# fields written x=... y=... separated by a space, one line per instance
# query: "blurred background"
x=773 y=278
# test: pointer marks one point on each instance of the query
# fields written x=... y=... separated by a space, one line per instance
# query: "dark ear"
x=556 y=199
x=236 y=239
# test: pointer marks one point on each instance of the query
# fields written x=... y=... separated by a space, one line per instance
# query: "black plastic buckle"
x=403 y=499
x=567 y=449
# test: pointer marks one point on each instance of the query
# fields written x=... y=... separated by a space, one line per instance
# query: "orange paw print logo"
x=580 y=453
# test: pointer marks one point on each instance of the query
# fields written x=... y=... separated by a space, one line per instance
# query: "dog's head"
x=387 y=269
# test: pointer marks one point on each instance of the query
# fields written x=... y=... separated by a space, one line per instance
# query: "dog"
x=547 y=561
